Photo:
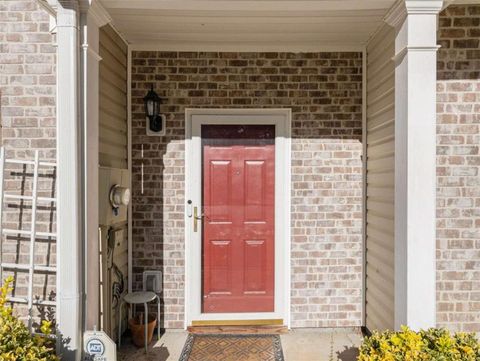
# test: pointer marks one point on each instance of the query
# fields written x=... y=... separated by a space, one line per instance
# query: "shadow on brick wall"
x=16 y=247
x=459 y=40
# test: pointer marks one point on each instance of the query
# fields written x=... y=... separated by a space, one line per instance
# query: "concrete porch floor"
x=298 y=345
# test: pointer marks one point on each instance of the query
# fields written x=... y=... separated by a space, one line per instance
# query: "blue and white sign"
x=95 y=347
x=99 y=347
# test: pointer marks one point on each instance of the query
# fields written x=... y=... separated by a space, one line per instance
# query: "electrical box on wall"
x=152 y=281
x=157 y=126
x=114 y=197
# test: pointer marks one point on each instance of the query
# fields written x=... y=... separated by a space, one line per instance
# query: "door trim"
x=281 y=118
x=265 y=322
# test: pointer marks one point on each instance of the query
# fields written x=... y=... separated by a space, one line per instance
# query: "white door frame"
x=194 y=118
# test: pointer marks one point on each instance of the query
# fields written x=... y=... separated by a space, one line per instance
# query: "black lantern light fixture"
x=155 y=120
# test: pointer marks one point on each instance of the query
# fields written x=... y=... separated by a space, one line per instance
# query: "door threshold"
x=270 y=322
x=239 y=330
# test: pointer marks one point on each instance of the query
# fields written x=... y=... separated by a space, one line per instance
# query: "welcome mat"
x=232 y=348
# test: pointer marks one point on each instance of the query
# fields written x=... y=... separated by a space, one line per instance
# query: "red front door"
x=238 y=238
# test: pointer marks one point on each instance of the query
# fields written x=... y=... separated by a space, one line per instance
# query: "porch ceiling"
x=242 y=24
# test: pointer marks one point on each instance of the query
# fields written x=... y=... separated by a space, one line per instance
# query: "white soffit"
x=245 y=24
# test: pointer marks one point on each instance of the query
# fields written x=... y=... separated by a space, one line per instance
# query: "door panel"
x=255 y=179
x=220 y=275
x=238 y=226
x=255 y=275
x=220 y=180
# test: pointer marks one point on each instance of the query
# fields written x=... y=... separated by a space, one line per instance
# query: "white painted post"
x=415 y=22
x=69 y=204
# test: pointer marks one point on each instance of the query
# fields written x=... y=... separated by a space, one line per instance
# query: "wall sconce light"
x=155 y=121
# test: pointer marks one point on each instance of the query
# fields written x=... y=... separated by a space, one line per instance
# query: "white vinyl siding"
x=113 y=155
x=113 y=99
x=380 y=181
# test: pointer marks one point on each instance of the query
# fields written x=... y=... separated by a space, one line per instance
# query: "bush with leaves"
x=16 y=342
x=430 y=345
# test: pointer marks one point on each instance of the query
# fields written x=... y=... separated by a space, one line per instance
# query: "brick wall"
x=458 y=165
x=324 y=91
x=27 y=117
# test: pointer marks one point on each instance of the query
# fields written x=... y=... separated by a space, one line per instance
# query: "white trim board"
x=364 y=184
x=246 y=47
x=130 y=169
x=281 y=118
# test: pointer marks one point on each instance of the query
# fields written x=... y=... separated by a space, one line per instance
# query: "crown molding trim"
x=397 y=14
x=49 y=6
x=99 y=14
x=402 y=8
x=245 y=47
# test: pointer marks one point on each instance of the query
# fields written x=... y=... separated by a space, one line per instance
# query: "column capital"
x=69 y=4
x=67 y=14
x=402 y=8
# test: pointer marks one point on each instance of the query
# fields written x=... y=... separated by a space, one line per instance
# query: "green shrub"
x=430 y=345
x=16 y=342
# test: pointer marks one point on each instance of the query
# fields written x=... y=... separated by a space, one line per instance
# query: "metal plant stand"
x=136 y=298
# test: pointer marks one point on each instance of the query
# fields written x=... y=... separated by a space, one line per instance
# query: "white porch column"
x=415 y=22
x=69 y=190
